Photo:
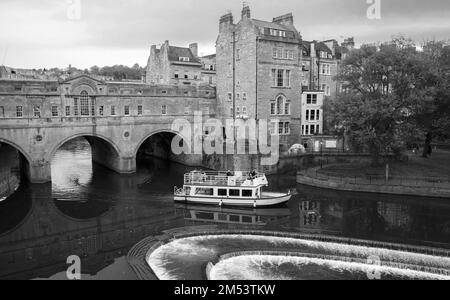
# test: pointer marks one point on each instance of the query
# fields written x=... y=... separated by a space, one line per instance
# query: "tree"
x=386 y=85
x=434 y=118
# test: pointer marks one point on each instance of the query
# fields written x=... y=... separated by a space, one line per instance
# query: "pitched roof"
x=176 y=52
x=277 y=26
x=323 y=47
x=81 y=76
x=209 y=56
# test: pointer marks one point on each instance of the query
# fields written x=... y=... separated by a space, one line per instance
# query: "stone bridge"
x=38 y=117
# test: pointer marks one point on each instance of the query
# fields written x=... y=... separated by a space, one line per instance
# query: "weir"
x=203 y=250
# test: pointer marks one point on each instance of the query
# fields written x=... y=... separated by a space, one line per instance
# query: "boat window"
x=234 y=218
x=222 y=217
x=247 y=193
x=235 y=193
x=204 y=191
x=222 y=192
x=205 y=216
x=246 y=219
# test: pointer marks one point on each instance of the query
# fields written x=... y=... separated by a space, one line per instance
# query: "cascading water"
x=274 y=267
x=186 y=258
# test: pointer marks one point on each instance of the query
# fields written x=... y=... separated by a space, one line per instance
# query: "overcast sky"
x=44 y=33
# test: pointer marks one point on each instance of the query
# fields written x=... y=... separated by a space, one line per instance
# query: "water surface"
x=99 y=215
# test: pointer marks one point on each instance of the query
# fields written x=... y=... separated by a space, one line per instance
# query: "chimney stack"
x=287 y=19
x=194 y=49
x=246 y=12
x=226 y=21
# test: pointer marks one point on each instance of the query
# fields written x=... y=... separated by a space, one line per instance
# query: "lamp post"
x=321 y=153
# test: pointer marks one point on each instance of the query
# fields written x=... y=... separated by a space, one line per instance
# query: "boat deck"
x=221 y=178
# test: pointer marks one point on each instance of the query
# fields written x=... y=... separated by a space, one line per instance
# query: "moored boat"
x=228 y=189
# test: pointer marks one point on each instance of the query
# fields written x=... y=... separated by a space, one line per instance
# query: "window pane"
x=222 y=192
x=280 y=106
x=287 y=110
x=235 y=193
x=273 y=108
x=247 y=193
x=204 y=191
x=280 y=78
x=287 y=128
x=54 y=111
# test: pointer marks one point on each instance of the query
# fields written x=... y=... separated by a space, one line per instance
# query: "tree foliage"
x=394 y=95
x=119 y=72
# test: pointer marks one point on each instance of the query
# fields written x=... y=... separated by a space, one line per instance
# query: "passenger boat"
x=228 y=188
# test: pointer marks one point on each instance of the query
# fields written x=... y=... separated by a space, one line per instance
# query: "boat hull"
x=269 y=199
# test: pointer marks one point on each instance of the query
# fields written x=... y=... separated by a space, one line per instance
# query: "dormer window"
x=185 y=59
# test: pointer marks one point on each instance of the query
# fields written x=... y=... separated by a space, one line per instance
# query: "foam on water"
x=270 y=267
x=186 y=258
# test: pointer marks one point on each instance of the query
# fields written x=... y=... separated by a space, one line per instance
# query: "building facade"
x=258 y=72
x=172 y=65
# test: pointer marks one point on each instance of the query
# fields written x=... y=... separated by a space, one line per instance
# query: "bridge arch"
x=104 y=152
x=89 y=137
x=18 y=148
x=25 y=159
x=158 y=144
x=156 y=132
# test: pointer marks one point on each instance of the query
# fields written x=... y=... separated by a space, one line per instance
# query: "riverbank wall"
x=404 y=186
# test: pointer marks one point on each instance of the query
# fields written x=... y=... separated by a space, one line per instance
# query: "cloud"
x=39 y=33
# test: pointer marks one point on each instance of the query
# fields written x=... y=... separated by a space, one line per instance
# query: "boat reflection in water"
x=235 y=216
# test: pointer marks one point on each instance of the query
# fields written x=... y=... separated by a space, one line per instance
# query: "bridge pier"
x=124 y=165
x=38 y=172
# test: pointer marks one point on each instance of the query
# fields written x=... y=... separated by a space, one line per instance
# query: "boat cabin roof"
x=225 y=179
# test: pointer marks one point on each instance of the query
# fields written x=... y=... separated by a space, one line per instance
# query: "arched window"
x=84 y=103
x=280 y=106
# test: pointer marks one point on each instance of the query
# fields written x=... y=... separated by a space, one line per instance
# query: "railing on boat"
x=219 y=178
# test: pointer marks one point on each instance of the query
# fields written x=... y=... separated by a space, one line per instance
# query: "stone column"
x=39 y=172
x=126 y=165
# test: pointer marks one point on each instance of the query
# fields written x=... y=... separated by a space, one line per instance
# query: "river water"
x=99 y=215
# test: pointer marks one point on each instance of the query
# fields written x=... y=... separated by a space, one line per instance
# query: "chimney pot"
x=246 y=12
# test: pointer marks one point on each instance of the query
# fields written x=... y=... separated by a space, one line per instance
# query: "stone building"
x=258 y=72
x=320 y=65
x=179 y=66
x=209 y=74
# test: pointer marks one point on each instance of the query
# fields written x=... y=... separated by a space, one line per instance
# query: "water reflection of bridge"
x=40 y=243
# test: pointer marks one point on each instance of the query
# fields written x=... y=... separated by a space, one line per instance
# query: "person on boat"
x=253 y=174
x=229 y=174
